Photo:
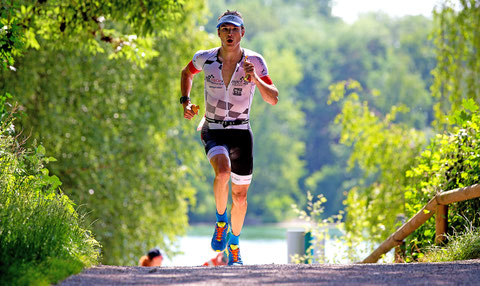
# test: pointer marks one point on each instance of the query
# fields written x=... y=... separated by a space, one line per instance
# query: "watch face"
x=184 y=99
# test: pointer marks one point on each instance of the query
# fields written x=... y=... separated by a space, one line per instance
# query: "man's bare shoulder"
x=252 y=54
x=206 y=53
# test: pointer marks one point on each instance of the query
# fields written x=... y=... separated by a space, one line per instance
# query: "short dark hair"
x=236 y=13
x=154 y=252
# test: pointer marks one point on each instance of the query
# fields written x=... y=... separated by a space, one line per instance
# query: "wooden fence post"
x=441 y=223
x=400 y=253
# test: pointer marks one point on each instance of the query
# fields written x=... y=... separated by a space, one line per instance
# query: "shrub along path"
x=451 y=273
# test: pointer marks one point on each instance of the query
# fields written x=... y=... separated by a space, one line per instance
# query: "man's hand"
x=190 y=110
x=268 y=90
x=249 y=69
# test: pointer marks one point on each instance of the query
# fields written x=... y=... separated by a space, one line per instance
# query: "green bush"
x=382 y=150
x=451 y=161
x=398 y=177
x=42 y=239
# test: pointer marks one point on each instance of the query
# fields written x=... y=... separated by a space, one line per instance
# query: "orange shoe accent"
x=234 y=249
x=220 y=226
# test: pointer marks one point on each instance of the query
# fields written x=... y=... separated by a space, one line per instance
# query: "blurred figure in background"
x=153 y=258
x=220 y=259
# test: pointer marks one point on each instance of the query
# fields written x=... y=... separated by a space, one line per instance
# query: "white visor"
x=230 y=19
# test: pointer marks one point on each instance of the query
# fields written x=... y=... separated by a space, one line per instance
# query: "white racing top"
x=232 y=102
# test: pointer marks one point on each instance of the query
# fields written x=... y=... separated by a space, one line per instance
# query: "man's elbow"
x=274 y=99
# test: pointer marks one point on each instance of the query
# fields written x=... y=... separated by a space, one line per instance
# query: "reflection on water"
x=197 y=251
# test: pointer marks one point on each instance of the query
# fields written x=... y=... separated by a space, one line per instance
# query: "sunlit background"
x=349 y=10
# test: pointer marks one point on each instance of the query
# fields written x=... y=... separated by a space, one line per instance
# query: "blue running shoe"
x=220 y=239
x=234 y=257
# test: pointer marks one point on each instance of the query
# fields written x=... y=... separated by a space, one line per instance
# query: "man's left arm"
x=265 y=85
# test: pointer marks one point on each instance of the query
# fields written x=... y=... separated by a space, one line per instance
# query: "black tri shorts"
x=237 y=145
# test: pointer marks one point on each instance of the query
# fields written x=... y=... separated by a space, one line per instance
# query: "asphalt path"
x=451 y=273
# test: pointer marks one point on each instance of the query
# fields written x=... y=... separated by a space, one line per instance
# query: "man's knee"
x=222 y=174
x=221 y=165
x=239 y=197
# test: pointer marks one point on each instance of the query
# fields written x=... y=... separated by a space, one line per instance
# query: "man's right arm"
x=185 y=87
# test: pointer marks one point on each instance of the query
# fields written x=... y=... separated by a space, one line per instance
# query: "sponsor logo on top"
x=211 y=79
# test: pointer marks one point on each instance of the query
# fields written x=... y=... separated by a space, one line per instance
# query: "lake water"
x=259 y=245
x=197 y=251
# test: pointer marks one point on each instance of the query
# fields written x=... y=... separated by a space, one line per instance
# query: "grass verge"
x=42 y=238
x=462 y=246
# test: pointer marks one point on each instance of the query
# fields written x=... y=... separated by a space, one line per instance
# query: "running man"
x=231 y=75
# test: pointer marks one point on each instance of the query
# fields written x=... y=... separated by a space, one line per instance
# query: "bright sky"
x=349 y=10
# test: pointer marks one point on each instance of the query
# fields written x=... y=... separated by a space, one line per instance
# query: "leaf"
x=40 y=150
x=31 y=41
x=470 y=105
x=428 y=232
x=55 y=182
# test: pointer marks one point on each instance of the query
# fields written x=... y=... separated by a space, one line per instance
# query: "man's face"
x=230 y=35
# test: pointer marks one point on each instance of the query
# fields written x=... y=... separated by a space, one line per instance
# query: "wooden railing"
x=438 y=205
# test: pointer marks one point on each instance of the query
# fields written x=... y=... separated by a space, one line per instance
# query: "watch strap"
x=184 y=99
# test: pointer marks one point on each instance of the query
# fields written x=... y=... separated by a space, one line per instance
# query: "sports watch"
x=184 y=99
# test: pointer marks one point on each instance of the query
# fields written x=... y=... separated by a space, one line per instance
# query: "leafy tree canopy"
x=128 y=26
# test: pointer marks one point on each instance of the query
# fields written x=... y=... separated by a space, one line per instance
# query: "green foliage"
x=278 y=147
x=449 y=162
x=452 y=160
x=401 y=85
x=3 y=105
x=11 y=41
x=461 y=246
x=383 y=150
x=457 y=47
x=115 y=130
x=42 y=238
x=65 y=24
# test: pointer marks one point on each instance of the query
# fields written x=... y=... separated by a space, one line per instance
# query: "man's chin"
x=231 y=45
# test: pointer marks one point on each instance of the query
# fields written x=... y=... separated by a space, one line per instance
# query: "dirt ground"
x=451 y=273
